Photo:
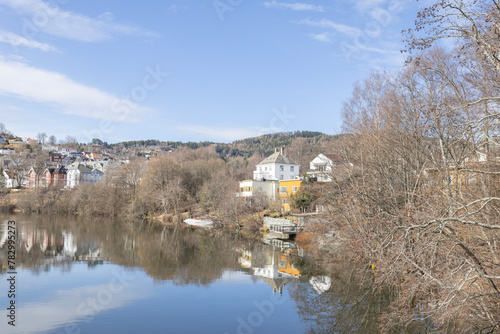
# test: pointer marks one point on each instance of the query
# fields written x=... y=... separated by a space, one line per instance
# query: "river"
x=102 y=276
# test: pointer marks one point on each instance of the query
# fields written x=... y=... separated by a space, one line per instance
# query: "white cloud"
x=366 y=5
x=222 y=133
x=324 y=23
x=323 y=37
x=58 y=22
x=16 y=40
x=71 y=307
x=63 y=94
x=294 y=6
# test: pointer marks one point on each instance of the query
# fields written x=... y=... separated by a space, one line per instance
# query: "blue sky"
x=189 y=70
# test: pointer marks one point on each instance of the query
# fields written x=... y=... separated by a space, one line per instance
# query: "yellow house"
x=16 y=144
x=286 y=266
x=286 y=190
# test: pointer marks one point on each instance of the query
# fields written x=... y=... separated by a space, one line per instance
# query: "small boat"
x=199 y=222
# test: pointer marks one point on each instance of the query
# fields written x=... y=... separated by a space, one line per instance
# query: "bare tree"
x=42 y=136
x=419 y=202
x=70 y=140
x=52 y=140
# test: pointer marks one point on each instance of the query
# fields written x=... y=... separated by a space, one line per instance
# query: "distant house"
x=250 y=188
x=55 y=176
x=287 y=189
x=10 y=179
x=95 y=156
x=321 y=167
x=35 y=179
x=31 y=141
x=52 y=148
x=67 y=151
x=17 y=144
x=56 y=157
x=80 y=173
x=7 y=151
x=276 y=167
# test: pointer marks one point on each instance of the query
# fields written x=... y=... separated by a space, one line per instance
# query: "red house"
x=56 y=157
x=55 y=176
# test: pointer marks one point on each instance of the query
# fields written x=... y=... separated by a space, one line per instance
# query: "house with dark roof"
x=81 y=173
x=55 y=176
x=277 y=167
x=56 y=157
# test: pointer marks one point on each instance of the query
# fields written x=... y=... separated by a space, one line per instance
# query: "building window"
x=265 y=168
x=283 y=190
x=241 y=189
x=295 y=189
x=281 y=177
x=291 y=168
x=282 y=168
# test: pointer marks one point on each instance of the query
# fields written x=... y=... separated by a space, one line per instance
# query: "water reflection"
x=325 y=300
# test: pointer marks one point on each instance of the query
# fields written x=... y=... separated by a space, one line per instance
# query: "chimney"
x=283 y=150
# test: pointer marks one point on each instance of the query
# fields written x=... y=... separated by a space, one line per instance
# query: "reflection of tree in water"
x=165 y=253
x=185 y=256
x=352 y=304
x=346 y=307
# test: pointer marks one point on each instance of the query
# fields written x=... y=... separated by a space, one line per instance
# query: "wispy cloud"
x=222 y=133
x=58 y=22
x=323 y=37
x=16 y=40
x=24 y=82
x=367 y=5
x=294 y=6
x=65 y=307
x=324 y=23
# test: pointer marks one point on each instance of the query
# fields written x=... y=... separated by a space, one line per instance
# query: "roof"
x=334 y=157
x=277 y=158
x=60 y=170
x=85 y=169
x=11 y=173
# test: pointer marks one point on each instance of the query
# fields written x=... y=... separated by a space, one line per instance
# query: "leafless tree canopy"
x=421 y=201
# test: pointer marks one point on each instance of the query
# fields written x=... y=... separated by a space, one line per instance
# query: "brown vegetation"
x=421 y=199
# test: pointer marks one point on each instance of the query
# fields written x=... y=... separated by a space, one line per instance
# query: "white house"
x=7 y=151
x=68 y=151
x=250 y=188
x=49 y=147
x=10 y=179
x=322 y=167
x=276 y=167
x=80 y=173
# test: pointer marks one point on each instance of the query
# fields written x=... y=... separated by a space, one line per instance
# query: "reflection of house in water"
x=92 y=256
x=70 y=247
x=274 y=266
x=277 y=272
x=52 y=247
x=5 y=234
x=245 y=259
x=321 y=283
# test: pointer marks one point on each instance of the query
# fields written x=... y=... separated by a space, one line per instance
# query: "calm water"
x=104 y=277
